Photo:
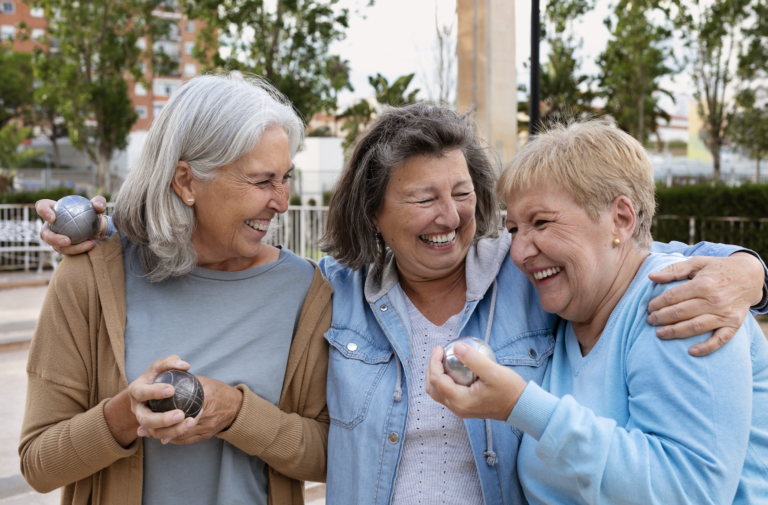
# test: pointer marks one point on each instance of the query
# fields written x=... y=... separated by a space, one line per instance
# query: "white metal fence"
x=300 y=228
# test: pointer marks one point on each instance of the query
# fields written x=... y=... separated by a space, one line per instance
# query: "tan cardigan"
x=76 y=363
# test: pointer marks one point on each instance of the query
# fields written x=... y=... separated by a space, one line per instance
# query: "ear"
x=182 y=183
x=624 y=218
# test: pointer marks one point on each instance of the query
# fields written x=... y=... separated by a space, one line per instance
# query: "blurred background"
x=80 y=83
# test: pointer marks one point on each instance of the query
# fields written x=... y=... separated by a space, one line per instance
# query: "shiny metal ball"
x=75 y=218
x=455 y=369
x=188 y=395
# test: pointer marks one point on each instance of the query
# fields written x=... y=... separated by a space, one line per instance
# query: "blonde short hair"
x=596 y=162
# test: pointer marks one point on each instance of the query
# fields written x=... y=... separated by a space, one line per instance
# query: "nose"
x=523 y=248
x=279 y=202
x=449 y=214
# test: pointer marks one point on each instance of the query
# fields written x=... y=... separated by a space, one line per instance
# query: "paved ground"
x=19 y=310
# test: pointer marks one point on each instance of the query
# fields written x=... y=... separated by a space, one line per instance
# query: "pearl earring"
x=616 y=242
x=190 y=200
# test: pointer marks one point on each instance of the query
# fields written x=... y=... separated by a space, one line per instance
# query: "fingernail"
x=181 y=362
x=165 y=440
x=189 y=424
x=63 y=241
x=49 y=217
x=696 y=351
x=142 y=432
x=651 y=320
x=460 y=349
x=168 y=391
x=661 y=333
x=178 y=417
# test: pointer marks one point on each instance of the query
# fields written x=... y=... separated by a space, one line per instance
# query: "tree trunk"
x=105 y=179
x=641 y=119
x=757 y=170
x=716 y=162
x=56 y=153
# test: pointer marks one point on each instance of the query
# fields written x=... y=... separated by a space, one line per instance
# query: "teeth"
x=438 y=240
x=257 y=226
x=543 y=274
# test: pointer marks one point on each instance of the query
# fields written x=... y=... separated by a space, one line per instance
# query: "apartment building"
x=147 y=100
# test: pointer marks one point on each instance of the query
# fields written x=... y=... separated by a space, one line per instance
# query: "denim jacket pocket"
x=527 y=352
x=356 y=364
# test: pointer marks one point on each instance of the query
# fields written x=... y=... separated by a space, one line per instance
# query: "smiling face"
x=428 y=215
x=567 y=255
x=234 y=210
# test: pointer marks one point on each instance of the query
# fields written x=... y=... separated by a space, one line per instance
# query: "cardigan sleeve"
x=62 y=439
x=293 y=443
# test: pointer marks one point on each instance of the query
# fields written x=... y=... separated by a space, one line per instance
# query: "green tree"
x=11 y=137
x=748 y=127
x=16 y=89
x=96 y=49
x=357 y=116
x=713 y=31
x=632 y=66
x=337 y=71
x=287 y=42
x=563 y=91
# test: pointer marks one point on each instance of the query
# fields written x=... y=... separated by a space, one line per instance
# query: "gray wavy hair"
x=209 y=122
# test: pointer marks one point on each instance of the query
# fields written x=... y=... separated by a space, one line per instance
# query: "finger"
x=677 y=271
x=53 y=239
x=153 y=421
x=172 y=362
x=474 y=360
x=76 y=249
x=679 y=312
x=99 y=203
x=175 y=431
x=721 y=337
x=142 y=392
x=678 y=294
x=690 y=328
x=44 y=208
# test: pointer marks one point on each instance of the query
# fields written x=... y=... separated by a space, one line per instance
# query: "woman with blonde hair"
x=620 y=416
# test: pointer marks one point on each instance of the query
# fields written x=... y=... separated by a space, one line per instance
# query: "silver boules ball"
x=75 y=218
x=455 y=369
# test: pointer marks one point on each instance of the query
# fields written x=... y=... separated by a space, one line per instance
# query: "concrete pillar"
x=486 y=64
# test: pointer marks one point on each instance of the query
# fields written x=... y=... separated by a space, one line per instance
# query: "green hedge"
x=51 y=194
x=703 y=201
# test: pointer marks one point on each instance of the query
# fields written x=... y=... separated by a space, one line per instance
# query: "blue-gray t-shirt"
x=236 y=327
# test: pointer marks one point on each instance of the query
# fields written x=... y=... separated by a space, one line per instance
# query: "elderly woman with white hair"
x=187 y=275
x=620 y=416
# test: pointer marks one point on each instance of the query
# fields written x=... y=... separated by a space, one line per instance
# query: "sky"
x=397 y=37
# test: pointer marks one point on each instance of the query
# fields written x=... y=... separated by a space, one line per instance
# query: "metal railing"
x=301 y=227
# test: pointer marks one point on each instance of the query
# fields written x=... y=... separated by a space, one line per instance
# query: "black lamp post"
x=535 y=96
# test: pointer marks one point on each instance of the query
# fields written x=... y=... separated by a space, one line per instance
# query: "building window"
x=165 y=88
x=156 y=108
x=139 y=89
x=141 y=110
x=7 y=32
x=190 y=26
x=38 y=34
x=143 y=67
x=141 y=43
x=190 y=69
x=188 y=47
x=37 y=12
x=8 y=8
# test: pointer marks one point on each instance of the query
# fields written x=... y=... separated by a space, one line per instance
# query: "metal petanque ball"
x=76 y=218
x=188 y=395
x=455 y=369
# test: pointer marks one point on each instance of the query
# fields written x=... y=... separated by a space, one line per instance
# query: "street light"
x=535 y=96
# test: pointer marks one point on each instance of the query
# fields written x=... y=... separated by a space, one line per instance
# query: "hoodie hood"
x=483 y=262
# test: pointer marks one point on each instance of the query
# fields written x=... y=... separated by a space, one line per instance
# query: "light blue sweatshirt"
x=663 y=427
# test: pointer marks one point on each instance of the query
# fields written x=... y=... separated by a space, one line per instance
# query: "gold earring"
x=616 y=242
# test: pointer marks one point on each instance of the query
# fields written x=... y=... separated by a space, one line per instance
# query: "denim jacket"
x=368 y=369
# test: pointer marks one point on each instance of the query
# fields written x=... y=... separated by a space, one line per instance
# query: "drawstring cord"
x=398 y=388
x=490 y=456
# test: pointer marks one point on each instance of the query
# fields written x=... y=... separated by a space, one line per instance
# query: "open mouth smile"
x=438 y=240
x=546 y=273
x=257 y=226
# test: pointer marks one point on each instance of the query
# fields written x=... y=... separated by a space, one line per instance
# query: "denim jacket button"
x=383 y=308
x=352 y=346
x=393 y=438
x=532 y=353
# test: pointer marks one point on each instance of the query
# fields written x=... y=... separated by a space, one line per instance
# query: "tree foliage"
x=632 y=66
x=16 y=90
x=288 y=44
x=90 y=50
x=748 y=127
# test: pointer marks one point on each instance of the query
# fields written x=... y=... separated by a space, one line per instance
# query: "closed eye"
x=540 y=223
